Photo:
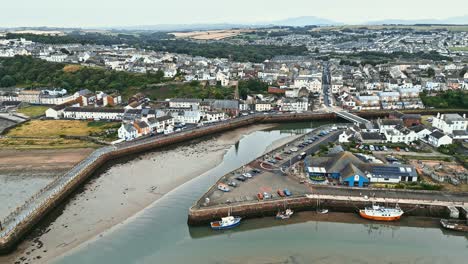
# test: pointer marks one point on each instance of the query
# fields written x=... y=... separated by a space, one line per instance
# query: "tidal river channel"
x=160 y=234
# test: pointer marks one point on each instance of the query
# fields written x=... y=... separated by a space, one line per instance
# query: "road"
x=326 y=83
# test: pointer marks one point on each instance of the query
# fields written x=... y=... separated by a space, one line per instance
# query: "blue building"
x=351 y=171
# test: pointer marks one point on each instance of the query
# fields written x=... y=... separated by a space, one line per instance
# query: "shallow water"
x=160 y=233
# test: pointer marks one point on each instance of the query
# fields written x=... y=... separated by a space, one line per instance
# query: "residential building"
x=438 y=138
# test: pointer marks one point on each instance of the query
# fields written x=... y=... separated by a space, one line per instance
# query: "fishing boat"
x=455 y=225
x=381 y=213
x=285 y=214
x=226 y=223
x=323 y=211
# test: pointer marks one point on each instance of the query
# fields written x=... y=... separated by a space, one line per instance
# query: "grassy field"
x=56 y=128
x=48 y=134
x=458 y=48
x=33 y=111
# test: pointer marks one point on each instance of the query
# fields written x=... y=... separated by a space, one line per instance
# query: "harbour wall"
x=203 y=216
x=25 y=217
x=16 y=225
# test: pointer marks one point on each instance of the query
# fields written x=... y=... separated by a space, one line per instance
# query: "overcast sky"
x=105 y=13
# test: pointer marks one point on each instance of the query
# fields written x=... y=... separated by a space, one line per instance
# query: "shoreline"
x=82 y=218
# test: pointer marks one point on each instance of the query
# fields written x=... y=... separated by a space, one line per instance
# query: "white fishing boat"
x=285 y=214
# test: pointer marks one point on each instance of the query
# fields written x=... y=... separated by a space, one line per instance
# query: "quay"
x=16 y=225
x=243 y=200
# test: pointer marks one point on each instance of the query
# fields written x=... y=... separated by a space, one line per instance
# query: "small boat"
x=226 y=223
x=455 y=225
x=323 y=211
x=380 y=213
x=284 y=215
x=223 y=187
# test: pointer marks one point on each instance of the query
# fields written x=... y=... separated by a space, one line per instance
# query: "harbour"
x=155 y=225
x=160 y=233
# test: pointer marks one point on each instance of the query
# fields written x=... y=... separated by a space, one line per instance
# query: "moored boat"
x=323 y=211
x=455 y=225
x=285 y=214
x=226 y=223
x=380 y=213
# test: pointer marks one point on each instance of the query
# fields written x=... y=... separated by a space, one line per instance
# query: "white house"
x=437 y=139
x=262 y=106
x=184 y=102
x=450 y=122
x=421 y=131
x=214 y=117
x=92 y=113
x=345 y=136
x=294 y=104
x=127 y=132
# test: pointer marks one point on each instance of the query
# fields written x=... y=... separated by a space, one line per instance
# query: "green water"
x=160 y=234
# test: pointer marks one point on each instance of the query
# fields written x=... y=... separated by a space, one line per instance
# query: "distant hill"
x=292 y=22
x=305 y=21
x=461 y=20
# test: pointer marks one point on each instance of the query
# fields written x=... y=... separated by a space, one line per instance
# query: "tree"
x=7 y=81
x=430 y=72
x=463 y=72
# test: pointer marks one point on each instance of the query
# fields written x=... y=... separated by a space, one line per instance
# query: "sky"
x=109 y=13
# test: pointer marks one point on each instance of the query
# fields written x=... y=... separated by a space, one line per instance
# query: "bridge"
x=352 y=118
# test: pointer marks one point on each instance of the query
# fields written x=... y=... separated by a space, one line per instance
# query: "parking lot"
x=262 y=178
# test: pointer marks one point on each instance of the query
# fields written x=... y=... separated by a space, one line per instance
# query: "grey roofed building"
x=411 y=116
x=94 y=109
x=437 y=134
x=417 y=128
x=190 y=100
x=372 y=136
x=450 y=118
x=142 y=124
x=391 y=122
x=460 y=133
x=164 y=118
x=347 y=164
x=226 y=104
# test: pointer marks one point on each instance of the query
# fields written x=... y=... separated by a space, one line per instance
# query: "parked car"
x=232 y=184
x=256 y=171
x=260 y=196
x=406 y=149
x=287 y=192
x=266 y=195
x=247 y=175
x=281 y=193
x=278 y=158
x=241 y=178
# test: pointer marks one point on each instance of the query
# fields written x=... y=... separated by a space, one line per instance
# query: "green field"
x=458 y=48
x=33 y=111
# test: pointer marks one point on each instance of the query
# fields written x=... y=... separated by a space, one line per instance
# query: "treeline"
x=448 y=99
x=244 y=53
x=375 y=58
x=95 y=38
x=161 y=41
x=26 y=71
